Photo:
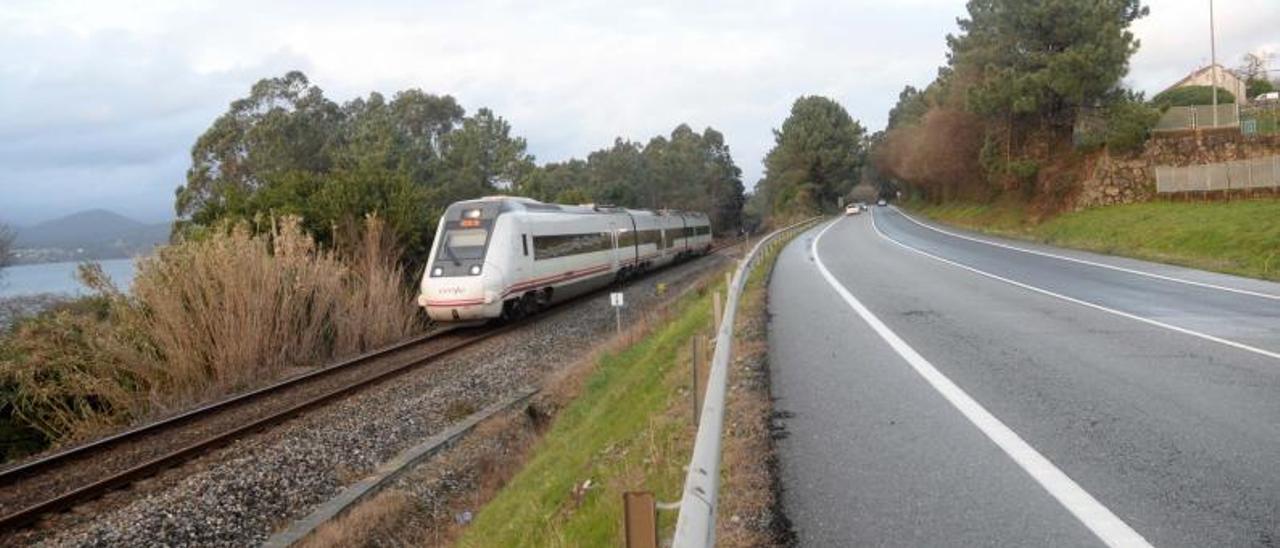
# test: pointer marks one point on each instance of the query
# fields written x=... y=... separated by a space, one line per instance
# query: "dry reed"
x=204 y=318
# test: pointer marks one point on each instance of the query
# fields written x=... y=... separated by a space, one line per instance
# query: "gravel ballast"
x=240 y=494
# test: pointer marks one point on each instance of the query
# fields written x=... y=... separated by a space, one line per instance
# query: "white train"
x=504 y=257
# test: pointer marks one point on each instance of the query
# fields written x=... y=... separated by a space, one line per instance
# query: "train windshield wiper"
x=448 y=250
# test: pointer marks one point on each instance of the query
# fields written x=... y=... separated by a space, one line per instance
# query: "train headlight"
x=475 y=270
x=437 y=272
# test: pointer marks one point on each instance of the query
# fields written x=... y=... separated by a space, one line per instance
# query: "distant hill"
x=92 y=234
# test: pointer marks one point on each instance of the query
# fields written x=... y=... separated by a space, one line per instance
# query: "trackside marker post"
x=615 y=299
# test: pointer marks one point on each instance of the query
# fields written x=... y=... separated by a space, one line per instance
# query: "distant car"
x=1268 y=97
x=882 y=202
x=852 y=209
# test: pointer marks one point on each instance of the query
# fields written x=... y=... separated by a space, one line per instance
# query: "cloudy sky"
x=100 y=101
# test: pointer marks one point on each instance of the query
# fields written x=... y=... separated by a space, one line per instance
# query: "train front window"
x=466 y=243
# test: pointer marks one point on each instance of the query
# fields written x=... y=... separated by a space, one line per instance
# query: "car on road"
x=882 y=202
x=853 y=209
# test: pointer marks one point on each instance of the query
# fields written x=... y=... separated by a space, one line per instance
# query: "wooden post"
x=715 y=308
x=640 y=518
x=695 y=356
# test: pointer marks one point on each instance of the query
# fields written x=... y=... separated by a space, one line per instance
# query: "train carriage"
x=503 y=257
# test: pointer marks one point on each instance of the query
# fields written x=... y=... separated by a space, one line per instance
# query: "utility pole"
x=1213 y=63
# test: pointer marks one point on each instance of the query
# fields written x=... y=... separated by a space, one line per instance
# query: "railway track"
x=62 y=480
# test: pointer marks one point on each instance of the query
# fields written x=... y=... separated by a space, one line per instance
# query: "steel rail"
x=696 y=524
x=67 y=499
x=16 y=473
x=70 y=498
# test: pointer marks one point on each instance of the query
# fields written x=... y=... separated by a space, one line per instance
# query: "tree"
x=909 y=109
x=685 y=170
x=285 y=125
x=286 y=149
x=815 y=158
x=1253 y=68
x=480 y=158
x=1044 y=59
x=1190 y=96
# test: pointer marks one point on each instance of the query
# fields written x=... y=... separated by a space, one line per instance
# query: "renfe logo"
x=451 y=290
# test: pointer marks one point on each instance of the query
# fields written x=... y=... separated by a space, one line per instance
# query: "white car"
x=852 y=209
x=882 y=202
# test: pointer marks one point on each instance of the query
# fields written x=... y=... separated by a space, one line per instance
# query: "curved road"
x=943 y=388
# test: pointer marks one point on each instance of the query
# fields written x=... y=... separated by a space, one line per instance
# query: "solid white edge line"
x=1090 y=263
x=1109 y=528
x=1157 y=323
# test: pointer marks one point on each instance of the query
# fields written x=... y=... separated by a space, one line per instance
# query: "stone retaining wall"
x=1113 y=180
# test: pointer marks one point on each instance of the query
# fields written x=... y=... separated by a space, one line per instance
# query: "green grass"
x=622 y=432
x=1237 y=237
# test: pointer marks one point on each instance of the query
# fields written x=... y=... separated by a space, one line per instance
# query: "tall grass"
x=203 y=318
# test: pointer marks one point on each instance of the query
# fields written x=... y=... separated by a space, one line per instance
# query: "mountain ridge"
x=90 y=234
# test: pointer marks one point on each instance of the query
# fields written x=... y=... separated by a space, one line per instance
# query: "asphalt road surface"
x=941 y=388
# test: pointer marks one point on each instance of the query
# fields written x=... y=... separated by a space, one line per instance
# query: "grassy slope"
x=1237 y=237
x=629 y=430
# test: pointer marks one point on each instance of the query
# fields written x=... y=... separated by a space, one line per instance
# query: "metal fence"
x=1198 y=117
x=696 y=526
x=1235 y=175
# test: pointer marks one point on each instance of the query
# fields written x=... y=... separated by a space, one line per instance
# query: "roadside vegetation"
x=1237 y=237
x=630 y=428
x=205 y=317
x=1014 y=109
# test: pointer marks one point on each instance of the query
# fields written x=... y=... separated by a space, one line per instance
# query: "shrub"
x=204 y=317
x=1190 y=96
x=1129 y=124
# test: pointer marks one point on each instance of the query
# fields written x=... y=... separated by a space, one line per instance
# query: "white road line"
x=1110 y=529
x=1171 y=327
x=1092 y=263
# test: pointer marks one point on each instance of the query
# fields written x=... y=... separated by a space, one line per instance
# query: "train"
x=504 y=257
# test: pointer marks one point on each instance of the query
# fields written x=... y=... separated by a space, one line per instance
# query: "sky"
x=100 y=101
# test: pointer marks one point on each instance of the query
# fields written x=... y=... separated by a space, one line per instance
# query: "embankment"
x=1239 y=237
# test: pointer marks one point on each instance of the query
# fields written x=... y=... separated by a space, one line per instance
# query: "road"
x=943 y=388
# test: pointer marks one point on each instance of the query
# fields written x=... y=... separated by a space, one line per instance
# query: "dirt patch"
x=750 y=512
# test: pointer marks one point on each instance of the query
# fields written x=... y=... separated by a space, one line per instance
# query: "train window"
x=524 y=242
x=465 y=243
x=563 y=245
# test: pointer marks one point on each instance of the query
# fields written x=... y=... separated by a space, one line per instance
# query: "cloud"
x=100 y=101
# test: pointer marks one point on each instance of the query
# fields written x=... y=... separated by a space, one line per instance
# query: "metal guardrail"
x=1249 y=173
x=696 y=526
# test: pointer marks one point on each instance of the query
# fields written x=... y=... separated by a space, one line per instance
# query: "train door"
x=615 y=256
x=523 y=263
